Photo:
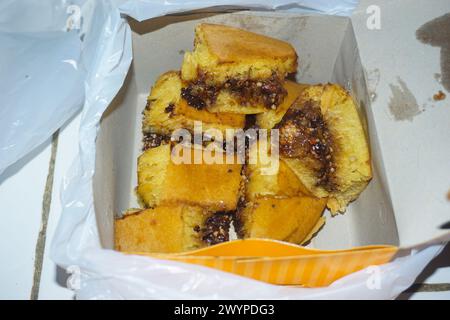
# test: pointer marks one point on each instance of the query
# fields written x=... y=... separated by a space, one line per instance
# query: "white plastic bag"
x=110 y=275
x=41 y=87
x=104 y=58
x=52 y=57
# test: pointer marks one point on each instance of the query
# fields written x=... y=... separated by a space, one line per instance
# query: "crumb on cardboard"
x=439 y=96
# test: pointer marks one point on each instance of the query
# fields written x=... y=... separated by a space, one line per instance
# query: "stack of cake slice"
x=230 y=77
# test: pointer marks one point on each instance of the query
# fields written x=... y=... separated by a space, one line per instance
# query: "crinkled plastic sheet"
x=34 y=100
x=146 y=9
x=53 y=54
x=111 y=275
x=63 y=71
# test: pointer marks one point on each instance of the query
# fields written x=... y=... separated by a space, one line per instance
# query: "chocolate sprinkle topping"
x=200 y=93
x=153 y=140
x=269 y=92
x=304 y=134
x=169 y=108
x=216 y=228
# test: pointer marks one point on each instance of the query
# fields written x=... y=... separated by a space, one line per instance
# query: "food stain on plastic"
x=403 y=105
x=437 y=34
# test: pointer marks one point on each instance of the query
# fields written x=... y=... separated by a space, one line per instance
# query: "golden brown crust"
x=164 y=229
x=287 y=219
x=233 y=45
x=211 y=186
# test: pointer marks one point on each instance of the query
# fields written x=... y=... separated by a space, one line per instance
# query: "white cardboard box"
x=402 y=197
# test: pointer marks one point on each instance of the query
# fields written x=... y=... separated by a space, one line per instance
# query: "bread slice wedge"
x=166 y=111
x=233 y=70
x=323 y=141
x=277 y=206
x=168 y=229
x=285 y=219
x=162 y=181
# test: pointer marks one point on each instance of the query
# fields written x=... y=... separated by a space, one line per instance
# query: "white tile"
x=21 y=193
x=53 y=279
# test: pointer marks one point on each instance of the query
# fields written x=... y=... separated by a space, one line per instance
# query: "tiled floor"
x=21 y=189
x=29 y=208
x=53 y=278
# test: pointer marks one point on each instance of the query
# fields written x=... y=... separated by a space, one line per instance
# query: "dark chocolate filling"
x=304 y=134
x=169 y=108
x=202 y=93
x=237 y=217
x=216 y=229
x=153 y=140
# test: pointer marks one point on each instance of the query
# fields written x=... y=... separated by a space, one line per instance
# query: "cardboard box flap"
x=403 y=205
x=368 y=221
x=328 y=48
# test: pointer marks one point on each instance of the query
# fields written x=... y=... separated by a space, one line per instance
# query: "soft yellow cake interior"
x=351 y=151
x=162 y=181
x=163 y=229
x=277 y=206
